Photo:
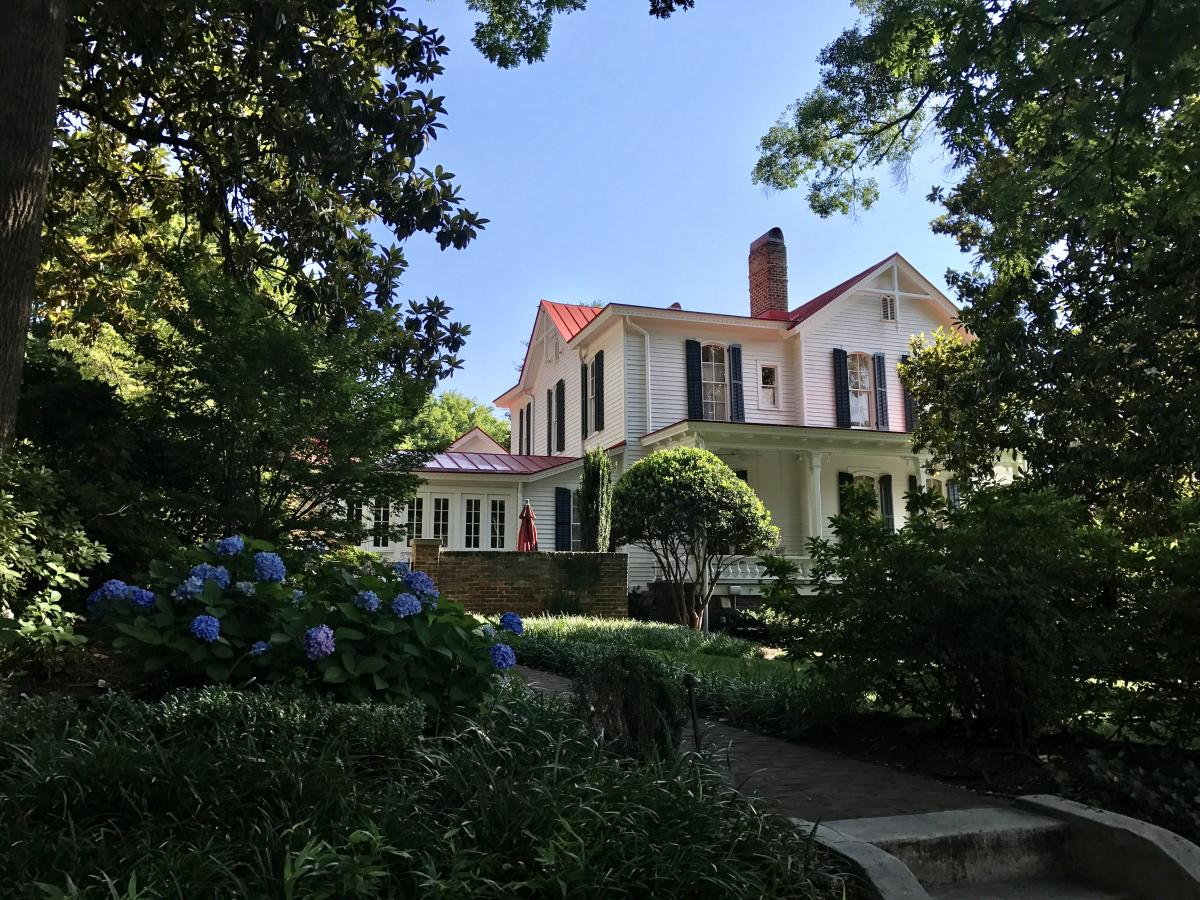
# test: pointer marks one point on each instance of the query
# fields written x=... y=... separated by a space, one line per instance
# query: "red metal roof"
x=570 y=318
x=455 y=461
x=800 y=313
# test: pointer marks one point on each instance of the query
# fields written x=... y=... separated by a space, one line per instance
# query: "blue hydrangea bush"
x=234 y=610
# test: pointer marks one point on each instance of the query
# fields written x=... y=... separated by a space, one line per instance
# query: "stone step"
x=1060 y=888
x=991 y=843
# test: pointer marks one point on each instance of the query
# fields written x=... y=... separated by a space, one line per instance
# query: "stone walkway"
x=809 y=784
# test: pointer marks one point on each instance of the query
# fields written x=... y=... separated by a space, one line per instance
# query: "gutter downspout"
x=646 y=358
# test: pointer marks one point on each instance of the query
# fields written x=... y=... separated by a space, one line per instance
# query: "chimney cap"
x=774 y=236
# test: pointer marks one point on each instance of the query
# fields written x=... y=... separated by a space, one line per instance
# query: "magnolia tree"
x=695 y=516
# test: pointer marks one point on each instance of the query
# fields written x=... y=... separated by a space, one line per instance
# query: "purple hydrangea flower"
x=367 y=601
x=206 y=628
x=298 y=597
x=510 y=621
x=502 y=656
x=245 y=587
x=113 y=589
x=188 y=589
x=269 y=567
x=420 y=584
x=141 y=598
x=318 y=642
x=258 y=648
x=488 y=631
x=406 y=605
x=209 y=572
x=401 y=568
x=230 y=546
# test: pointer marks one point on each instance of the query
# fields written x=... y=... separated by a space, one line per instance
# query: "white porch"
x=796 y=472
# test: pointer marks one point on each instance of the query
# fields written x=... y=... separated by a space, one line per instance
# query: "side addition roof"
x=460 y=463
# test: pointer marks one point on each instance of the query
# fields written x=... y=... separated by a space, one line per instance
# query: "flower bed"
x=234 y=610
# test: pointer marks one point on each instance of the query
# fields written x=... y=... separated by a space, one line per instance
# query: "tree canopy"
x=448 y=415
x=1072 y=130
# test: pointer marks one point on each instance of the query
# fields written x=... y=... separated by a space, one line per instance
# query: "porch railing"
x=748 y=571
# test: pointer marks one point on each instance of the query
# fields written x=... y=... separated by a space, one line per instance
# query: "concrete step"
x=1053 y=888
x=991 y=843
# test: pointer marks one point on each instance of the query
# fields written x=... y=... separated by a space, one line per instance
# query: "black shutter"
x=695 y=385
x=737 y=403
x=599 y=412
x=881 y=403
x=583 y=396
x=912 y=489
x=841 y=389
x=845 y=480
x=560 y=410
x=886 y=508
x=908 y=402
x=562 y=518
x=952 y=494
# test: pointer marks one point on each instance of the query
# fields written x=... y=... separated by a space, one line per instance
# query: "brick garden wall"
x=492 y=582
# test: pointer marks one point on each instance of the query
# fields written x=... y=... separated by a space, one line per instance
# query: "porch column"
x=920 y=470
x=816 y=525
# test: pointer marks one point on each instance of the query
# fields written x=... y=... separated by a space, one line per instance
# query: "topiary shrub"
x=634 y=703
x=231 y=611
x=692 y=513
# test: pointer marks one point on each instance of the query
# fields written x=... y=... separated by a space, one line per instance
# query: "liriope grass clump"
x=282 y=794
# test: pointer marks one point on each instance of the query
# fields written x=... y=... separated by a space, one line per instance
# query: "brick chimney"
x=768 y=275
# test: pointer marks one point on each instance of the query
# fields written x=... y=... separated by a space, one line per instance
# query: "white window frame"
x=444 y=535
x=592 y=392
x=869 y=390
x=576 y=522
x=467 y=500
x=414 y=514
x=497 y=540
x=551 y=433
x=381 y=522
x=768 y=397
x=718 y=404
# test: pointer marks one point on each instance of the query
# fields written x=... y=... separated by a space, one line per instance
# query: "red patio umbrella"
x=527 y=535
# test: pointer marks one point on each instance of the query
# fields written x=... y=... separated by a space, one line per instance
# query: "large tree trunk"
x=32 y=45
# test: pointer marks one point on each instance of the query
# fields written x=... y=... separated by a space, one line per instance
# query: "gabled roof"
x=457 y=462
x=569 y=318
x=802 y=312
x=477 y=440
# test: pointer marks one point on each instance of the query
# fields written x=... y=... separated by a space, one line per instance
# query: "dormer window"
x=715 y=382
x=888 y=308
x=858 y=366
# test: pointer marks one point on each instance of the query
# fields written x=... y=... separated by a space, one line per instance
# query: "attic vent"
x=888 y=309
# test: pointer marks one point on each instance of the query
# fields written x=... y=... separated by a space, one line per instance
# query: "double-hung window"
x=715 y=382
x=576 y=522
x=768 y=396
x=859 y=371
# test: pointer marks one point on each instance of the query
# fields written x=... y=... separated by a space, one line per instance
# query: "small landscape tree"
x=695 y=516
x=595 y=500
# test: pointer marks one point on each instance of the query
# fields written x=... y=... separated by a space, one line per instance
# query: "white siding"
x=760 y=346
x=854 y=325
x=611 y=340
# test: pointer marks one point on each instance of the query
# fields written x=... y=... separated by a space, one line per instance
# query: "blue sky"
x=618 y=170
